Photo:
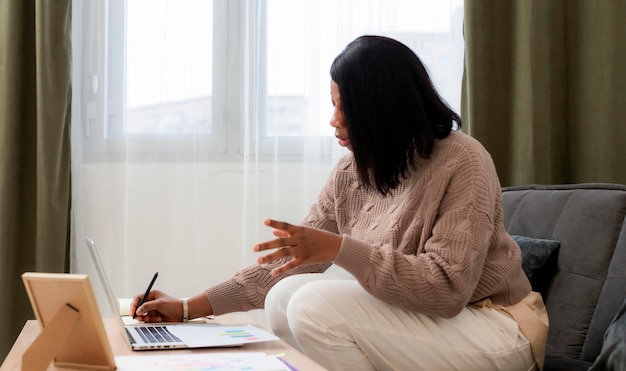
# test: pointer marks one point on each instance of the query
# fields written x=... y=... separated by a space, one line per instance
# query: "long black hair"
x=391 y=109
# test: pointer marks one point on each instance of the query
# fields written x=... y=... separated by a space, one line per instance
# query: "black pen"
x=145 y=295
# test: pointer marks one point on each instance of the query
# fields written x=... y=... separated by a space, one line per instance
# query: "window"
x=216 y=78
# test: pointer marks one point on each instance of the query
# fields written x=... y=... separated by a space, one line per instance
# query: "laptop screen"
x=111 y=299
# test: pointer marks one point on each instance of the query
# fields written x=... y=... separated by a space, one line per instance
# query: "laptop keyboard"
x=156 y=334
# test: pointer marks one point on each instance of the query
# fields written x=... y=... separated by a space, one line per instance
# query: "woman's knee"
x=278 y=297
x=320 y=303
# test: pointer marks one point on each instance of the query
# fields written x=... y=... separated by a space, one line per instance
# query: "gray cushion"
x=535 y=254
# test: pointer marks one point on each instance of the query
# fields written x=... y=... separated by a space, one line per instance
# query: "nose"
x=336 y=120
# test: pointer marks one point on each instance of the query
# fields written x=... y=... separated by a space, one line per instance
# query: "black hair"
x=390 y=107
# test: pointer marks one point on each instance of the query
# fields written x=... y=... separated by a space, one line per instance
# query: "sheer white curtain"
x=194 y=120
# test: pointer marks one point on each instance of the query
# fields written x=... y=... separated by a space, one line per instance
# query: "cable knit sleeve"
x=248 y=287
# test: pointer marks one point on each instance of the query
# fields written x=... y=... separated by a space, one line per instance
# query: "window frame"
x=103 y=107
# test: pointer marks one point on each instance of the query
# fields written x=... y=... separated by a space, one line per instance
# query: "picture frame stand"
x=43 y=349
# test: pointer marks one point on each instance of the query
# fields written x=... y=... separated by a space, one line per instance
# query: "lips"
x=343 y=142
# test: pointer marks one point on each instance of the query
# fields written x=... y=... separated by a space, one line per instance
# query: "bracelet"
x=185 y=311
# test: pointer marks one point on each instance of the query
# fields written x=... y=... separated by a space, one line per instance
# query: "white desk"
x=13 y=361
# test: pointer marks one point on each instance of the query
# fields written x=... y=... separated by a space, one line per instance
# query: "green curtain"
x=35 y=96
x=544 y=88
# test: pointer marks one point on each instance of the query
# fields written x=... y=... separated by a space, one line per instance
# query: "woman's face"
x=336 y=120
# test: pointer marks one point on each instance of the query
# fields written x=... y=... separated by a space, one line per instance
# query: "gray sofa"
x=583 y=282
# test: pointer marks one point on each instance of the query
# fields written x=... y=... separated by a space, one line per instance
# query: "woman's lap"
x=336 y=322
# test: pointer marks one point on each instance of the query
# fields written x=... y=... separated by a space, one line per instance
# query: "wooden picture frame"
x=72 y=331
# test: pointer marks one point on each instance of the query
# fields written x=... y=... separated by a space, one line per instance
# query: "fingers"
x=304 y=245
x=133 y=304
x=146 y=307
x=150 y=311
x=151 y=319
x=283 y=231
x=286 y=245
x=273 y=244
x=278 y=254
x=142 y=311
x=283 y=227
x=279 y=233
x=285 y=267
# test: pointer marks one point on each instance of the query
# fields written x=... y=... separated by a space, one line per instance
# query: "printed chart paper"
x=220 y=335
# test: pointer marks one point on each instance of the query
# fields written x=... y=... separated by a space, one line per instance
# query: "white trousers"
x=335 y=322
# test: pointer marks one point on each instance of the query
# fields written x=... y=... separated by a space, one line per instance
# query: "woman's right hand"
x=158 y=307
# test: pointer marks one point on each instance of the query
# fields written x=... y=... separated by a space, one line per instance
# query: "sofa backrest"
x=585 y=284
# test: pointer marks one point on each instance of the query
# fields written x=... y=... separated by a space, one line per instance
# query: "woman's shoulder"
x=460 y=145
x=461 y=153
x=459 y=138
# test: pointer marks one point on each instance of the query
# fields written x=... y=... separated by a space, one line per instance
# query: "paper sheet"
x=220 y=335
x=249 y=361
x=124 y=304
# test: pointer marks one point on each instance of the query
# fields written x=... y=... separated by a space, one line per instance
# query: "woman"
x=413 y=215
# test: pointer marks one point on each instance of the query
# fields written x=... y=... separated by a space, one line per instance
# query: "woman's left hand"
x=305 y=245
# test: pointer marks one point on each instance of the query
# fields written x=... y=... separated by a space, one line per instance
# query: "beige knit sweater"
x=434 y=245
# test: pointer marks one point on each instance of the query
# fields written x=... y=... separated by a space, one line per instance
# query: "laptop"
x=193 y=334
